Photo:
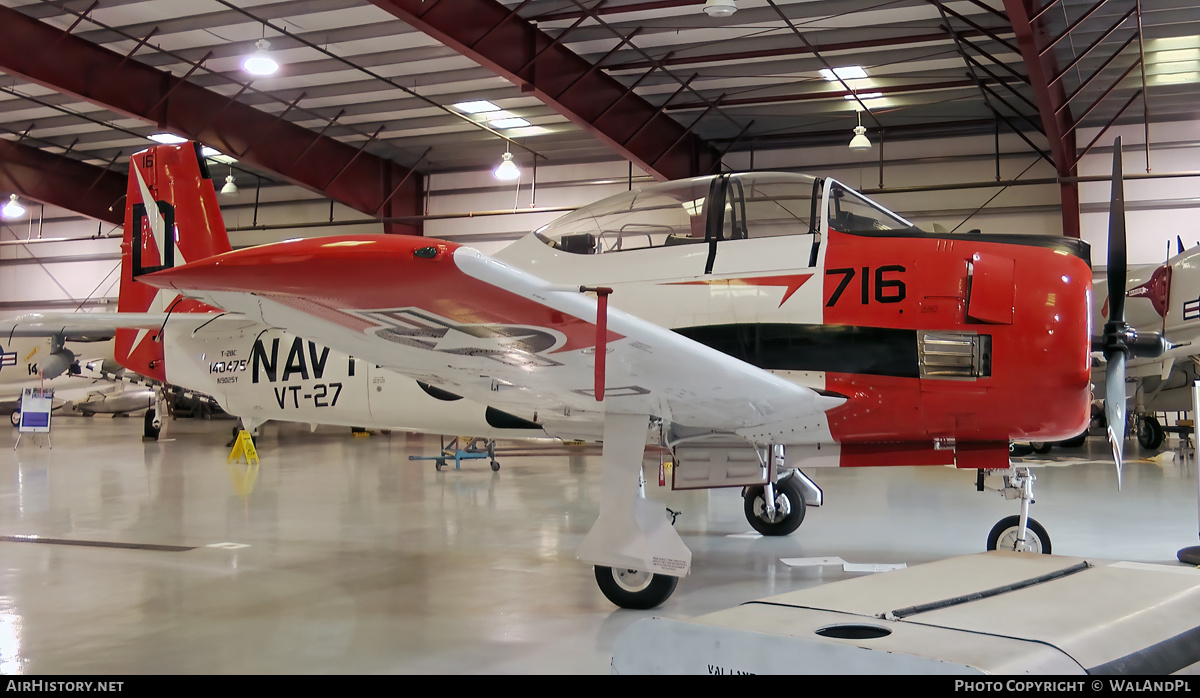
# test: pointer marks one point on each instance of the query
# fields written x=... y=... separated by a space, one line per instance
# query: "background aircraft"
x=1161 y=298
x=757 y=321
x=32 y=362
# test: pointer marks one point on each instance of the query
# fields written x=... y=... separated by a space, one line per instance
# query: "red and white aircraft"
x=750 y=322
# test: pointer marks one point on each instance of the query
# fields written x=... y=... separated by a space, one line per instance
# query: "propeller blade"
x=1114 y=407
x=1116 y=241
x=1179 y=244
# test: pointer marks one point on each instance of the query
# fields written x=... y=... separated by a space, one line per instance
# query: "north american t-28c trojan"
x=751 y=322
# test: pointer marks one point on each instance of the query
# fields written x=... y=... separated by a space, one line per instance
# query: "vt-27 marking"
x=266 y=364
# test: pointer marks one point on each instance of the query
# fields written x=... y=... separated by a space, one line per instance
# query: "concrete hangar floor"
x=341 y=556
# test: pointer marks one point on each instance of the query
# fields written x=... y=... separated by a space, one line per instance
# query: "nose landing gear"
x=1019 y=532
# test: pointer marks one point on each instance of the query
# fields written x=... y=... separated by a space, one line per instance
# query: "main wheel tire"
x=15 y=418
x=789 y=508
x=1041 y=447
x=1075 y=442
x=1016 y=450
x=635 y=589
x=1004 y=535
x=1149 y=432
x=150 y=431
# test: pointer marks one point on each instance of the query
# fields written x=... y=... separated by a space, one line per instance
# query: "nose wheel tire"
x=1004 y=536
x=634 y=589
x=789 y=508
x=1016 y=450
x=15 y=418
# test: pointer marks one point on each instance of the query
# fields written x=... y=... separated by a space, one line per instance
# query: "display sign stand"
x=37 y=404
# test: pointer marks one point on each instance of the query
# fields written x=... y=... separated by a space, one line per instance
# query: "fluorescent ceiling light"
x=865 y=95
x=850 y=72
x=476 y=107
x=1176 y=55
x=209 y=152
x=1176 y=78
x=1169 y=42
x=528 y=131
x=508 y=123
x=167 y=138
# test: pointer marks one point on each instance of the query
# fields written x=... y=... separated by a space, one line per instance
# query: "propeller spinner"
x=1120 y=342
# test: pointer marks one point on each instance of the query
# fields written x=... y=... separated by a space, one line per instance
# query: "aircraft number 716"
x=886 y=290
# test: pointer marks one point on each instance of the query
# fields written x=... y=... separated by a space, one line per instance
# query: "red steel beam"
x=493 y=36
x=60 y=181
x=66 y=63
x=1051 y=101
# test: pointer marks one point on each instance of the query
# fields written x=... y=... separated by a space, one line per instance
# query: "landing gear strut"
x=152 y=423
x=637 y=555
x=1018 y=532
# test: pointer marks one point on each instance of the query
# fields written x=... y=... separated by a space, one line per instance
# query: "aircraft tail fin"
x=171 y=218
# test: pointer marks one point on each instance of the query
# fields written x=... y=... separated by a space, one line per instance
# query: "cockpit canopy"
x=719 y=207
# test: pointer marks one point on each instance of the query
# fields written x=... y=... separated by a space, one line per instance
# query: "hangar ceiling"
x=364 y=103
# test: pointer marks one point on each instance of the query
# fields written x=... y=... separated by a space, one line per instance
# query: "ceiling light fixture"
x=13 y=209
x=849 y=72
x=167 y=138
x=477 y=106
x=260 y=62
x=230 y=188
x=860 y=143
x=514 y=122
x=508 y=169
x=720 y=8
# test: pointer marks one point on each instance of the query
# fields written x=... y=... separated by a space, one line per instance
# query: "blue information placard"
x=36 y=406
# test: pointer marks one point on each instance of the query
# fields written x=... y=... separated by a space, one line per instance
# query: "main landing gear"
x=637 y=555
x=1019 y=532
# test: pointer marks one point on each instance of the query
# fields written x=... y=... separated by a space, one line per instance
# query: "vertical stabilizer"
x=171 y=218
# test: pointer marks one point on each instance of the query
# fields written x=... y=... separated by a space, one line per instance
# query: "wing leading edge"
x=78 y=327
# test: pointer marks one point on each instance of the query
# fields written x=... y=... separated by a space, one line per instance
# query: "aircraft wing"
x=453 y=317
x=78 y=327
